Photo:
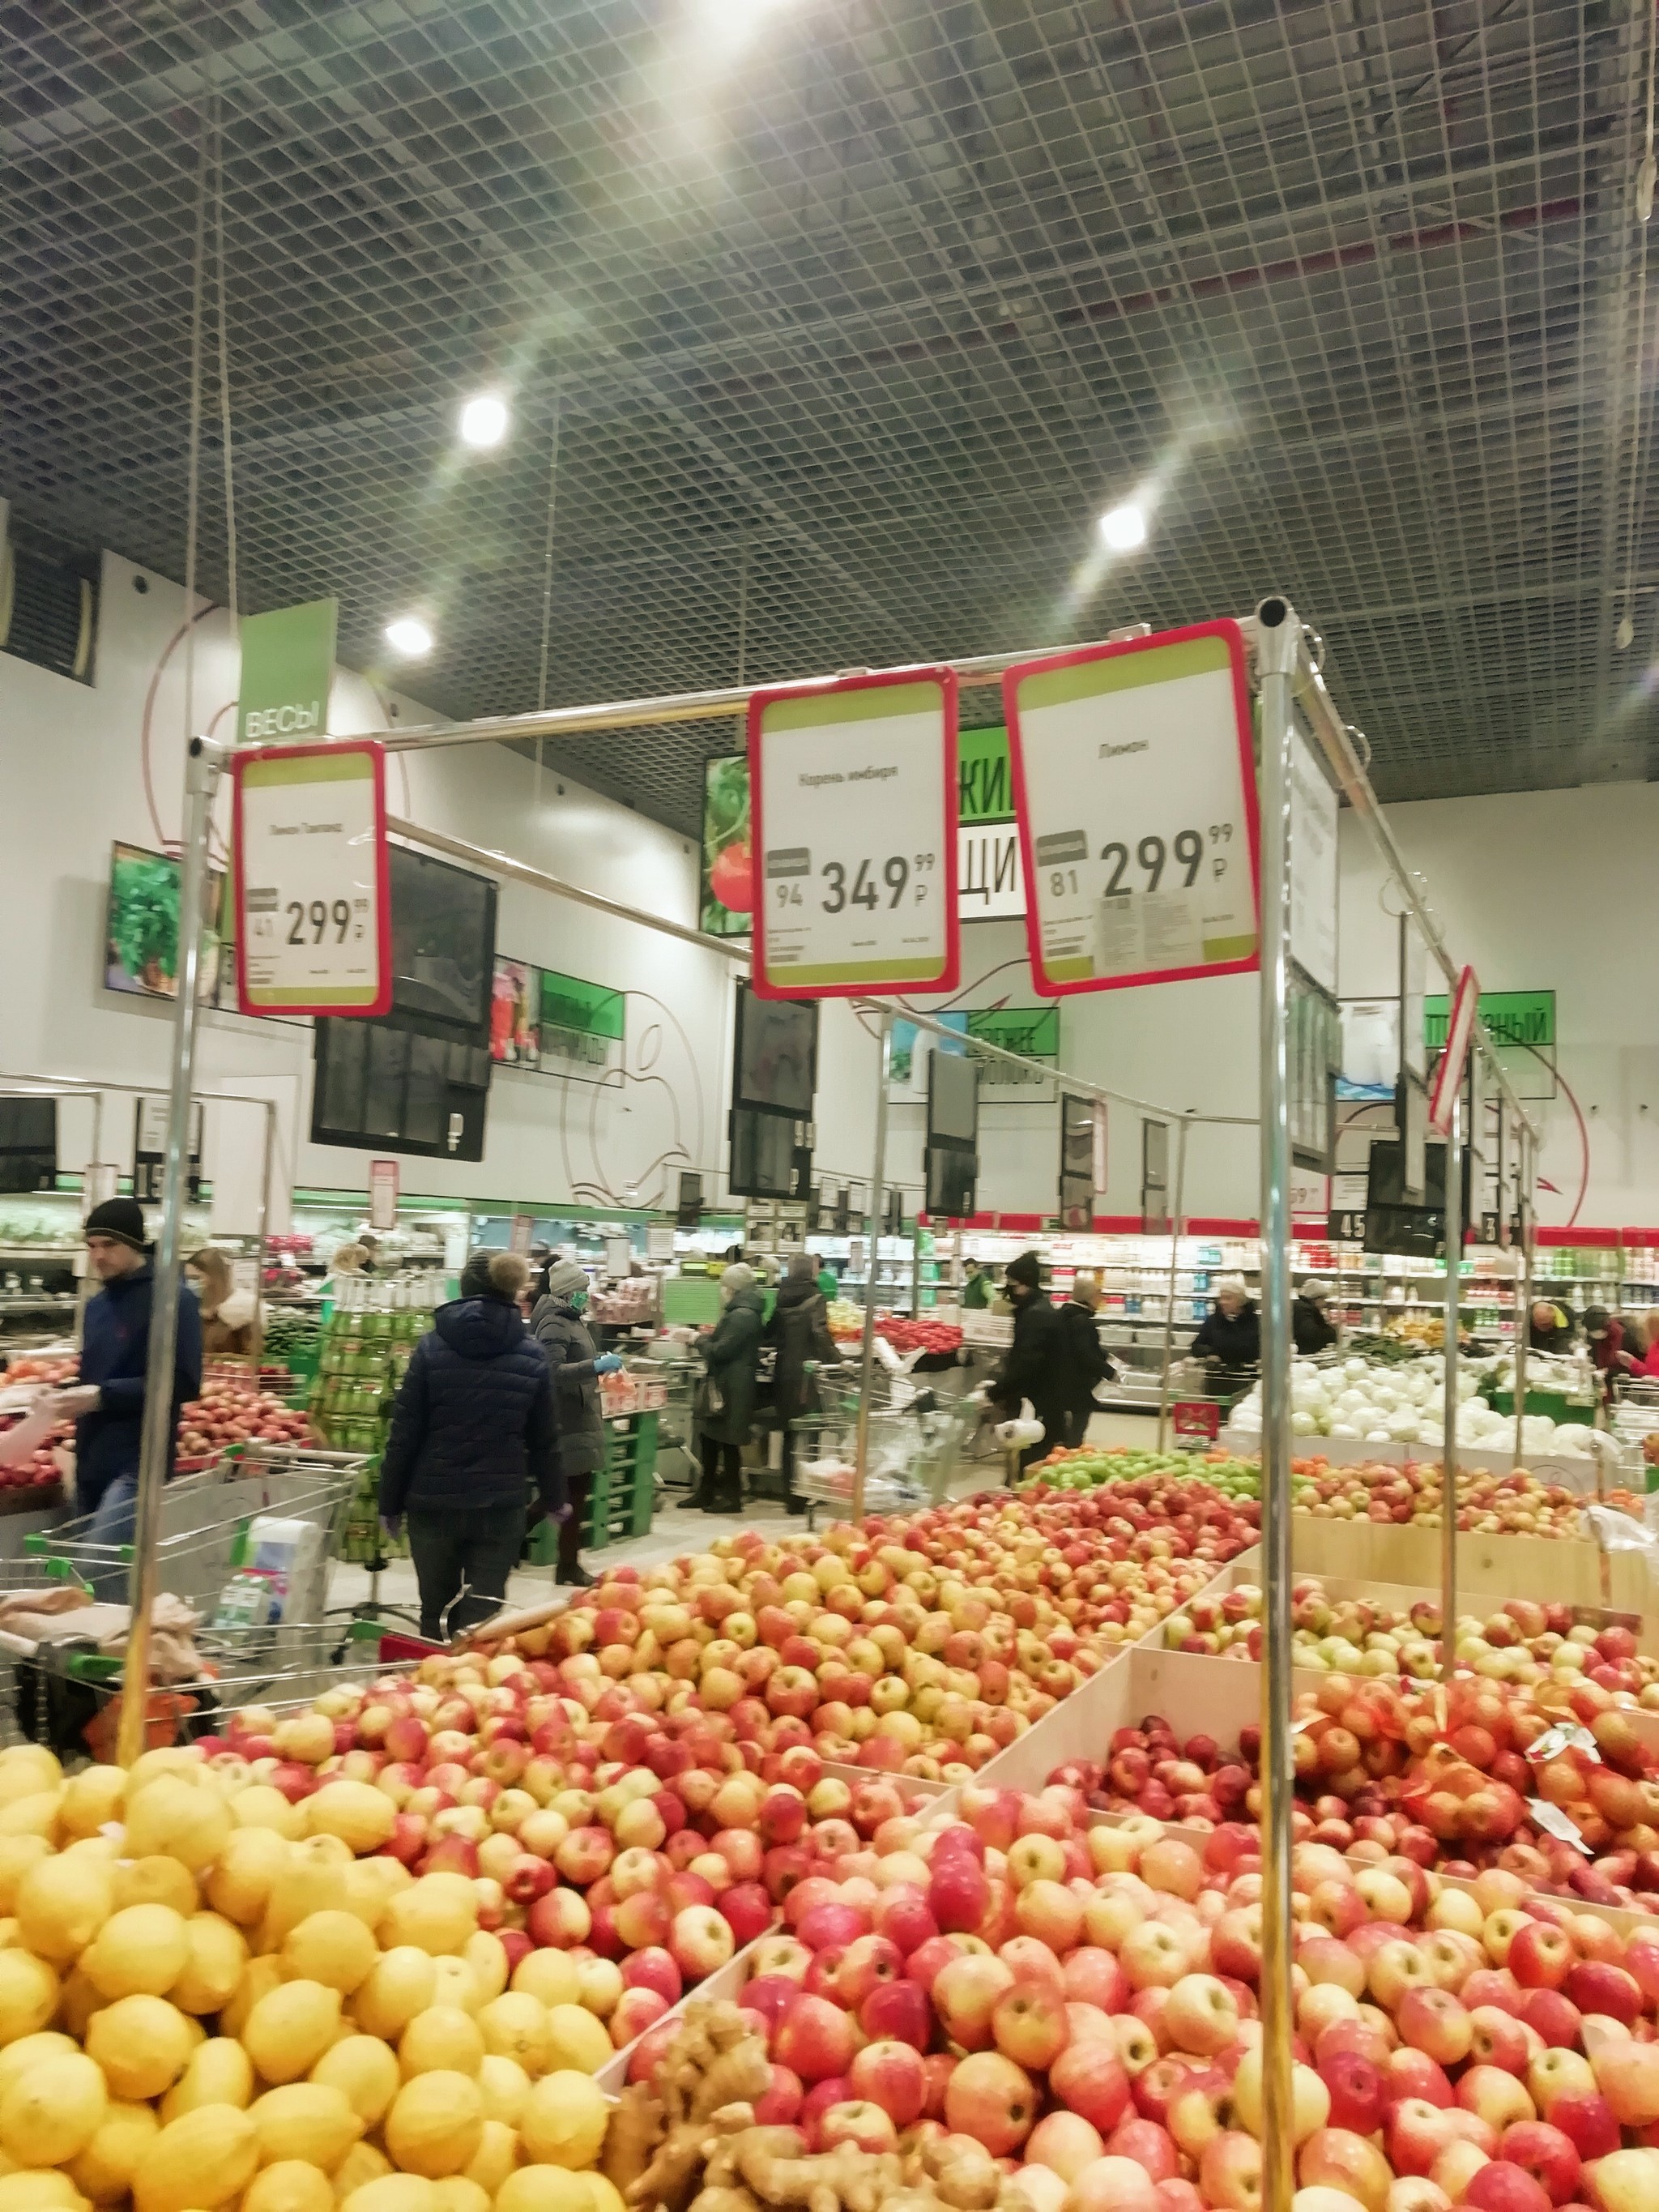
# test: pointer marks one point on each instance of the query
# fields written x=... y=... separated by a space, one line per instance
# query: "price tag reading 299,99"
x=313 y=927
x=1135 y=780
x=853 y=788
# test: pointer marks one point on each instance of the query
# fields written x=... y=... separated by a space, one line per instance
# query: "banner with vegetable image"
x=141 y=950
x=727 y=899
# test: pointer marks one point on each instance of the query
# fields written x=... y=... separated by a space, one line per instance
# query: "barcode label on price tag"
x=1135 y=778
x=853 y=791
x=313 y=931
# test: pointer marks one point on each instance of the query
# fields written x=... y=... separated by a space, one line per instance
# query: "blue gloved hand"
x=606 y=1364
x=392 y=1526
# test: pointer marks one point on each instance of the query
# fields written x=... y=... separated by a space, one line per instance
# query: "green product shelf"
x=621 y=1495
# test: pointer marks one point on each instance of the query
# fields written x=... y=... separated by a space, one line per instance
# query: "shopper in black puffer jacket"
x=1231 y=1334
x=473 y=1427
x=799 y=1329
x=556 y=1323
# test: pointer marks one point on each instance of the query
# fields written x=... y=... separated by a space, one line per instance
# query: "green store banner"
x=1511 y=1018
x=288 y=664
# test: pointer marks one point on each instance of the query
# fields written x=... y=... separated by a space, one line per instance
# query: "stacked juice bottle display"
x=370 y=1335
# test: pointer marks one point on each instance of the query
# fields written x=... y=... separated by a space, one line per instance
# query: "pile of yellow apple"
x=210 y=1997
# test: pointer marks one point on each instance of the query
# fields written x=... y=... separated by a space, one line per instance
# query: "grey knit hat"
x=564 y=1278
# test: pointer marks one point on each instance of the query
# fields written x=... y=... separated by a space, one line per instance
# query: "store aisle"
x=678 y=1529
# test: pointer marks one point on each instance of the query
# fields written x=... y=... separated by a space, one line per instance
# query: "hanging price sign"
x=853 y=793
x=1449 y=1070
x=313 y=931
x=1135 y=777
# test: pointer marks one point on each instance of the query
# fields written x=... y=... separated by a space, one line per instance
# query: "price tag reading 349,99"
x=313 y=931
x=853 y=788
x=1136 y=782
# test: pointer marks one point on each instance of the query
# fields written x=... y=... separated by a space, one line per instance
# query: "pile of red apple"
x=1513 y=1504
x=1081 y=2001
x=1524 y=1641
x=924 y=1645
x=231 y=1412
x=1442 y=1777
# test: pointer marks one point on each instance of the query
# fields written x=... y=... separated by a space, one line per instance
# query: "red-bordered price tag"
x=853 y=797
x=1134 y=774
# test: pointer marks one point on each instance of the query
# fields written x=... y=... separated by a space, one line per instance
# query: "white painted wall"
x=73 y=767
x=1537 y=890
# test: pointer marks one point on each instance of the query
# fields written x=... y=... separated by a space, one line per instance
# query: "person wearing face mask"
x=556 y=1323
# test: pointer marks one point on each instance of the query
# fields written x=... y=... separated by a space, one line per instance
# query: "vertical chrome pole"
x=1175 y=1261
x=201 y=776
x=1278 y=646
x=1522 y=1286
x=1449 y=1401
x=867 y=1352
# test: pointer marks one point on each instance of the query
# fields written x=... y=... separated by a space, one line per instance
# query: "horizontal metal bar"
x=502 y=863
x=981 y=671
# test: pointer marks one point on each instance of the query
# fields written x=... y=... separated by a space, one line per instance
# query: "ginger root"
x=767 y=2161
x=704 y=2090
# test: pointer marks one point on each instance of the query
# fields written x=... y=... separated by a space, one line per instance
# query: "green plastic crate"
x=622 y=1495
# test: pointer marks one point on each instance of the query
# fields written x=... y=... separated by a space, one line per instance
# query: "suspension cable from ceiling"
x=547 y=587
x=1641 y=443
x=193 y=465
x=221 y=280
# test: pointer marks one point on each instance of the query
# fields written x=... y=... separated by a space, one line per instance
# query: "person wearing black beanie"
x=109 y=1400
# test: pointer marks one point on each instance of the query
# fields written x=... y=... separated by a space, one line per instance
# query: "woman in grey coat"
x=556 y=1324
x=731 y=1353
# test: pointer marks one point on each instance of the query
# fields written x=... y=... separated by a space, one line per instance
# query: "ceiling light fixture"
x=484 y=420
x=410 y=636
x=1124 y=528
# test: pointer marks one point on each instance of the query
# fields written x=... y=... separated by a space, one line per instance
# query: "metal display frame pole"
x=867 y=1347
x=201 y=779
x=1279 y=648
x=1448 y=1400
x=1524 y=1293
x=1181 y=1127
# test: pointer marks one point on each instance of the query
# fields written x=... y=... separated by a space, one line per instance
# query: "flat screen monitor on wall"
x=389 y=1086
x=952 y=1100
x=443 y=946
x=765 y=1161
x=952 y=1179
x=28 y=1144
x=1395 y=1222
x=775 y=1056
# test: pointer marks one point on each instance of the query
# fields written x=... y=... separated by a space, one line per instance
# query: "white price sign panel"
x=313 y=905
x=853 y=792
x=1135 y=778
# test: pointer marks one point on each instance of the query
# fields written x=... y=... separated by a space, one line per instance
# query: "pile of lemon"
x=212 y=1999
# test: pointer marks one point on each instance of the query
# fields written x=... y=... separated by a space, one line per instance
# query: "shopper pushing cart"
x=107 y=1404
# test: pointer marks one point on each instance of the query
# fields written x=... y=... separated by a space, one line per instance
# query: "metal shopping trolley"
x=217 y=1553
x=916 y=1439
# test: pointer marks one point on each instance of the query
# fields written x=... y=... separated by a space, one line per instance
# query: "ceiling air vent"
x=48 y=612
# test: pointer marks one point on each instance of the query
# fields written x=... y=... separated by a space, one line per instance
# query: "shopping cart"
x=916 y=1443
x=212 y=1528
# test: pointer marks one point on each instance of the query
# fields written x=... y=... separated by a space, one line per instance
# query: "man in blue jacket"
x=114 y=1354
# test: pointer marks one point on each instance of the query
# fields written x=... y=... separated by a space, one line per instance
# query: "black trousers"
x=721 y=1488
x=1056 y=1424
x=478 y=1548
x=1078 y=1418
x=578 y=1487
